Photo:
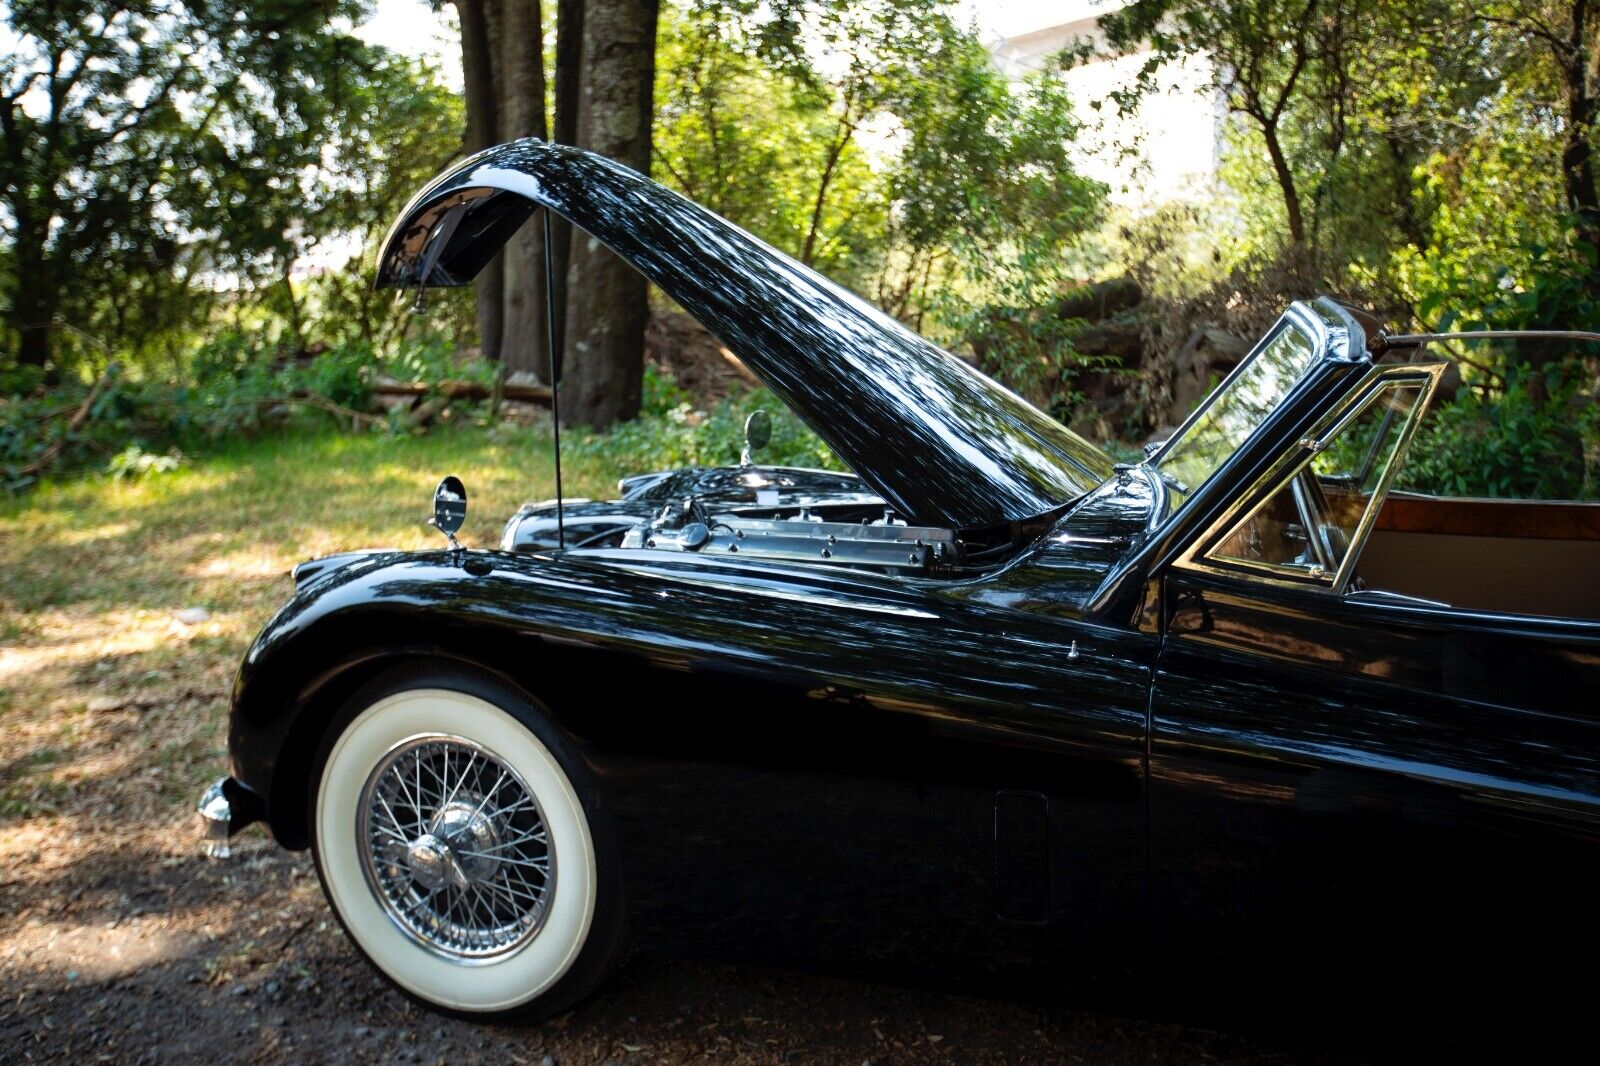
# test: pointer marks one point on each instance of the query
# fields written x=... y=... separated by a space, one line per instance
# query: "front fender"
x=370 y=612
x=608 y=641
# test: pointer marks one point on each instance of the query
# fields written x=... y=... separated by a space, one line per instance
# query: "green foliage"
x=748 y=142
x=403 y=124
x=1528 y=424
x=1534 y=286
x=963 y=227
x=134 y=462
x=1507 y=445
x=985 y=162
x=670 y=432
x=1021 y=340
x=767 y=112
x=192 y=194
x=232 y=386
x=237 y=392
x=164 y=160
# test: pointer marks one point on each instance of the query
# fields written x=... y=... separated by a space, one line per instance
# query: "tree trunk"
x=569 y=84
x=478 y=79
x=1579 y=178
x=607 y=304
x=523 y=345
x=808 y=247
x=1291 y=197
x=31 y=307
x=569 y=69
x=32 y=313
x=1405 y=210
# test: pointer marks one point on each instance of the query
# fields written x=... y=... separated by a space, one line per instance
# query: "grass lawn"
x=101 y=683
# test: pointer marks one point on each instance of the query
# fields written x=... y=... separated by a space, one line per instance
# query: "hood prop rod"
x=553 y=333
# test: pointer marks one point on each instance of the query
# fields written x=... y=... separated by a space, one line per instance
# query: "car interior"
x=1532 y=557
x=1538 y=558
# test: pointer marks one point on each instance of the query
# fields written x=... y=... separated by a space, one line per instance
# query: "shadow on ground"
x=138 y=951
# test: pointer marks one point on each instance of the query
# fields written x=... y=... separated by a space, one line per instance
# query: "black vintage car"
x=992 y=703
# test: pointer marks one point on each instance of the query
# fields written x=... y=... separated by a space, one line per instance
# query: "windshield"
x=1236 y=409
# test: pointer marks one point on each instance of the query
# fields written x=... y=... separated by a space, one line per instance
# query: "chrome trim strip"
x=821 y=599
x=1403 y=340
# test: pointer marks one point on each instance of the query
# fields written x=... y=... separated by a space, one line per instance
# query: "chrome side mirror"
x=757 y=433
x=449 y=508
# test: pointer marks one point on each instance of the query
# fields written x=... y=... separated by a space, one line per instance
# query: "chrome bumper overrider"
x=225 y=807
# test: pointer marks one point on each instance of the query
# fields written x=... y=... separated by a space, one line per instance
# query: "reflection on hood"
x=945 y=445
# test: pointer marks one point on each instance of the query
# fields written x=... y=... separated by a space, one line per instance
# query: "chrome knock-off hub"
x=456 y=847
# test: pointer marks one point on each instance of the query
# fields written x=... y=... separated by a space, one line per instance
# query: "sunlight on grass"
x=102 y=686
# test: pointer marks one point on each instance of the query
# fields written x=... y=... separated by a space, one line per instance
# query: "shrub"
x=232 y=385
x=133 y=462
x=1506 y=446
x=670 y=432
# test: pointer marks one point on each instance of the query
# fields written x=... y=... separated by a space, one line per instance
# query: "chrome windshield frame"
x=1329 y=339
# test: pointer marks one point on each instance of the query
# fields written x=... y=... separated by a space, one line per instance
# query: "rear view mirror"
x=449 y=508
x=757 y=433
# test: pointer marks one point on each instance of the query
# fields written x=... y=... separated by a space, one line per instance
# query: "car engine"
x=885 y=543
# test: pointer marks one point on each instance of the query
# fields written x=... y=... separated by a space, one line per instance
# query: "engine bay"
x=883 y=543
x=750 y=511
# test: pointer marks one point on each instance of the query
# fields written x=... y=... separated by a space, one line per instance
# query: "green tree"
x=986 y=173
x=878 y=142
x=750 y=143
x=1260 y=52
x=148 y=146
x=1564 y=36
x=503 y=76
x=401 y=128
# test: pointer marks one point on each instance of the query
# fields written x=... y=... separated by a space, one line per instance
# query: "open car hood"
x=945 y=445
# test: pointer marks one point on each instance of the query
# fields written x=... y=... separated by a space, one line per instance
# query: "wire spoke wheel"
x=455 y=848
x=446 y=809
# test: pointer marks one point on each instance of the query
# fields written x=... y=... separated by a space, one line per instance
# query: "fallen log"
x=1229 y=344
x=738 y=367
x=463 y=390
x=1123 y=345
x=1096 y=304
x=74 y=424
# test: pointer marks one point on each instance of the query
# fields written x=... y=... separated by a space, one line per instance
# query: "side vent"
x=1022 y=856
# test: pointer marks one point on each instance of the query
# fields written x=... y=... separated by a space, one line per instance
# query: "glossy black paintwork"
x=944 y=444
x=1356 y=779
x=1029 y=768
x=801 y=761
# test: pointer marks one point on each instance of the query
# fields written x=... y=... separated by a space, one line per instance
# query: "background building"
x=1167 y=150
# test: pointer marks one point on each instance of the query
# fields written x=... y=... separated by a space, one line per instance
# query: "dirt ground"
x=124 y=610
x=125 y=946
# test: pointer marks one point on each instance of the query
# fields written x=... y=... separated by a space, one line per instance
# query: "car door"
x=847 y=769
x=1355 y=790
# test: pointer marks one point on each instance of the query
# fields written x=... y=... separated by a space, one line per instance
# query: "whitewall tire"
x=459 y=852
